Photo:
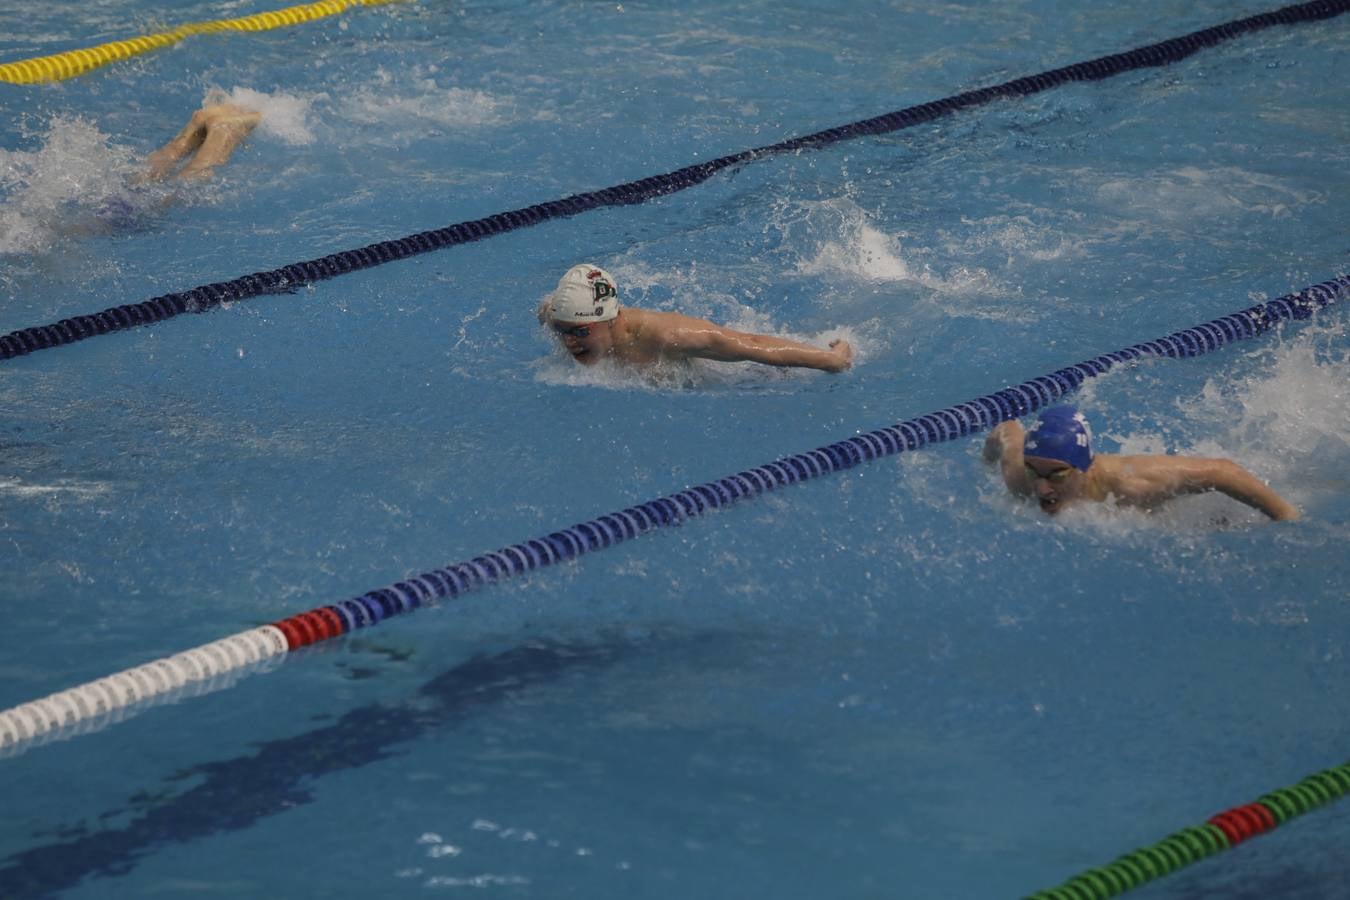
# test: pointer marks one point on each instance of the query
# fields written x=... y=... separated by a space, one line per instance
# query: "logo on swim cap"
x=1061 y=433
x=601 y=284
x=585 y=292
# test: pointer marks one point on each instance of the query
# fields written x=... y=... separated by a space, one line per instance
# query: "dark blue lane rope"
x=289 y=278
x=54 y=715
x=957 y=421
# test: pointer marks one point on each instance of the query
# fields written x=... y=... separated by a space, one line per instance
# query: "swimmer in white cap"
x=1054 y=463
x=585 y=314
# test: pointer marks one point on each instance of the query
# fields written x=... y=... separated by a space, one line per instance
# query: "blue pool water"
x=894 y=681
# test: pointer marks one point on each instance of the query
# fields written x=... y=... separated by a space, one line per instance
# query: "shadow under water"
x=234 y=794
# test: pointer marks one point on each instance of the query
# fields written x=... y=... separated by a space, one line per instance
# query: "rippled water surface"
x=895 y=681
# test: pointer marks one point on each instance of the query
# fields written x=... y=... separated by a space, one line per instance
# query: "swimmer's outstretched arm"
x=1004 y=446
x=704 y=340
x=1158 y=477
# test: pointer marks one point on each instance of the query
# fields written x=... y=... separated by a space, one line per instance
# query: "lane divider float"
x=288 y=279
x=107 y=701
x=120 y=696
x=63 y=710
x=1221 y=832
x=68 y=64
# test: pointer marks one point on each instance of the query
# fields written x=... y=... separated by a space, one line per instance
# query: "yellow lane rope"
x=60 y=66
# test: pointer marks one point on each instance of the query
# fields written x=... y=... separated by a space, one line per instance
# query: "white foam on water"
x=1289 y=419
x=50 y=191
x=285 y=116
x=1018 y=238
x=841 y=241
x=1190 y=193
x=421 y=103
x=848 y=244
x=64 y=487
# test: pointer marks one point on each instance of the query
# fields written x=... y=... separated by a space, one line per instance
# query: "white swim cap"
x=585 y=294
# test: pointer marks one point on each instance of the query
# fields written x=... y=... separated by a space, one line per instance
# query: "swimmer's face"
x=1054 y=483
x=587 y=344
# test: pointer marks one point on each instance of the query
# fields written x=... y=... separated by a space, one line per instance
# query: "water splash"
x=1289 y=418
x=54 y=190
x=847 y=243
x=286 y=117
x=839 y=240
x=408 y=106
x=1189 y=194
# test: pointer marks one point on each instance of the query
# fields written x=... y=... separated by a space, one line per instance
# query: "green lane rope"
x=1222 y=831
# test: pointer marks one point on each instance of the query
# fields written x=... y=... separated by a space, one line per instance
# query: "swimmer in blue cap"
x=1053 y=461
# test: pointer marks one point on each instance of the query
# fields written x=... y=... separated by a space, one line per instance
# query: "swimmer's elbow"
x=1240 y=484
x=1229 y=477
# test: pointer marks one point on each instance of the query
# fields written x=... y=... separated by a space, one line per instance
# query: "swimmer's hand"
x=542 y=312
x=842 y=357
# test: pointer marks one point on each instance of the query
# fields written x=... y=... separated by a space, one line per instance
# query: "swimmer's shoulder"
x=1143 y=479
x=651 y=329
x=1116 y=471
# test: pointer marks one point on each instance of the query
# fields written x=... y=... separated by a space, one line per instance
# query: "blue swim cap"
x=1061 y=433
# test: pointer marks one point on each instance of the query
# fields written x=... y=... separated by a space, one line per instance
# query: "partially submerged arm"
x=1150 y=479
x=687 y=337
x=1004 y=446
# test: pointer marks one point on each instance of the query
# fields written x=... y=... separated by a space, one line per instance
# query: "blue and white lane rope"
x=65 y=710
x=290 y=278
